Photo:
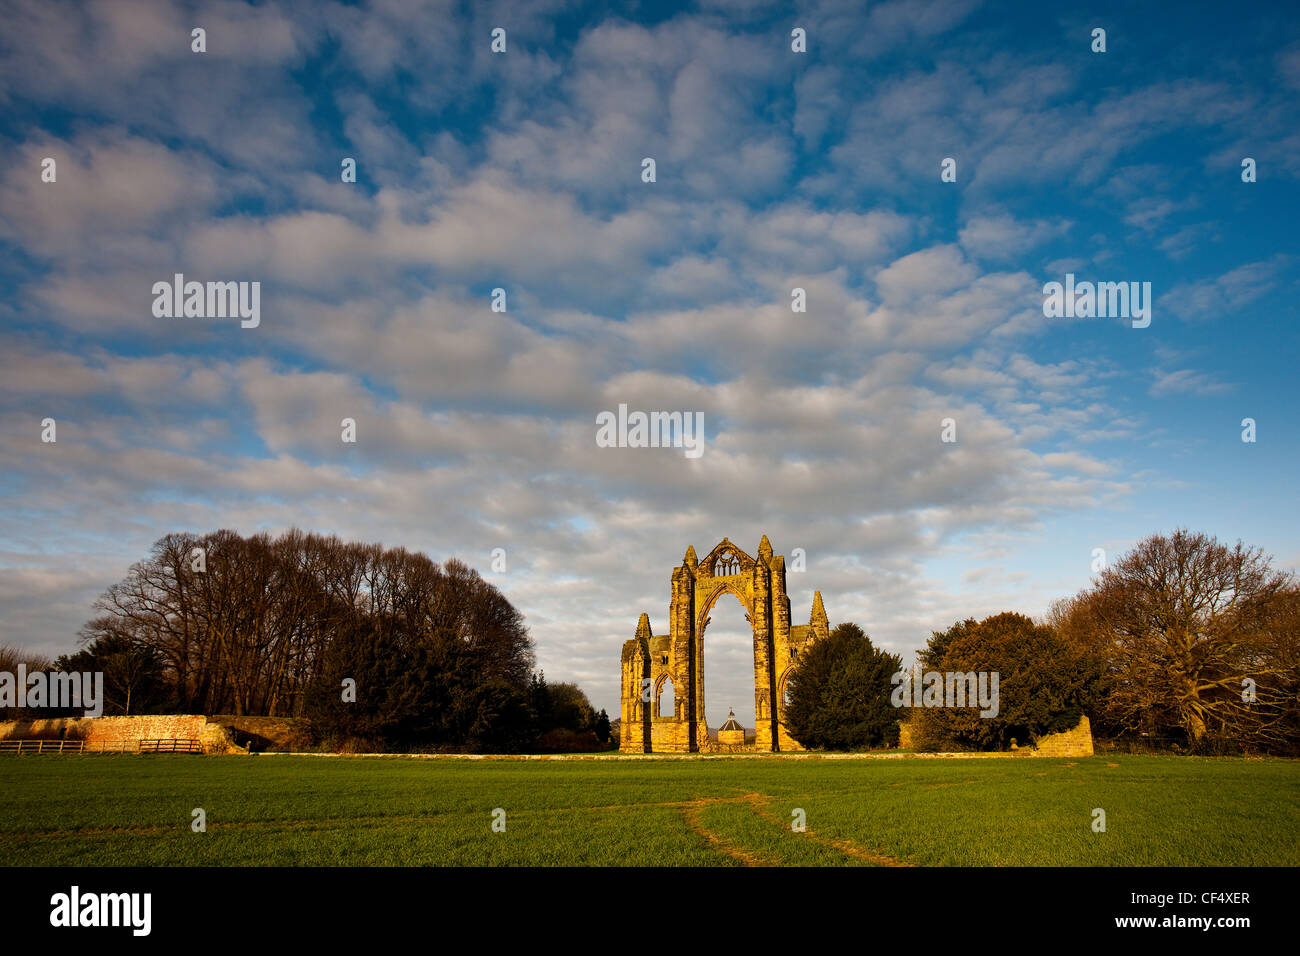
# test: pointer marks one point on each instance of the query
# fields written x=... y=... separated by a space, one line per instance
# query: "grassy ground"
x=137 y=810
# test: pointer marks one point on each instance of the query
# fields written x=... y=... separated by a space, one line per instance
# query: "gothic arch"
x=648 y=660
x=781 y=687
x=712 y=600
x=657 y=701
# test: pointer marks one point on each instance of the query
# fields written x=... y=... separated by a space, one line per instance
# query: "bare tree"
x=10 y=658
x=1196 y=635
x=242 y=624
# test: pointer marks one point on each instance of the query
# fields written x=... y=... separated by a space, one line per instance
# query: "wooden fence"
x=162 y=745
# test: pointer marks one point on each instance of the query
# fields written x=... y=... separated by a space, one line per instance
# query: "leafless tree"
x=241 y=630
x=1196 y=635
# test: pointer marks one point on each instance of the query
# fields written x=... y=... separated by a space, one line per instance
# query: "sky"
x=522 y=170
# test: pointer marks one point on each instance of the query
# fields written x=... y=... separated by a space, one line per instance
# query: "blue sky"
x=775 y=170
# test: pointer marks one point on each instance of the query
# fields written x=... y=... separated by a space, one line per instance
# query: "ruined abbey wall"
x=649 y=662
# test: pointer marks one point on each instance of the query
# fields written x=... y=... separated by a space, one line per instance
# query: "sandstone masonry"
x=650 y=661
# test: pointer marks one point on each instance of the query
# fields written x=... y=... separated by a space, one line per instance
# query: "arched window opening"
x=667 y=699
x=727 y=563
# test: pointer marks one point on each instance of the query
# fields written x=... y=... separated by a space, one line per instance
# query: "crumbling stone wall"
x=112 y=732
x=1068 y=743
x=1076 y=742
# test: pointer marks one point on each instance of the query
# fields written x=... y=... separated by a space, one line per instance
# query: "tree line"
x=377 y=647
x=1185 y=642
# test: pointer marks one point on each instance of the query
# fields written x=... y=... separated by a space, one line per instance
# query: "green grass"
x=133 y=810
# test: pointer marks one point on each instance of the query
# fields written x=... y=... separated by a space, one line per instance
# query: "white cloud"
x=476 y=429
x=1223 y=295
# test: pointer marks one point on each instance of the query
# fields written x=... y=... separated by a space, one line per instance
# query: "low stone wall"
x=718 y=747
x=108 y=732
x=1069 y=743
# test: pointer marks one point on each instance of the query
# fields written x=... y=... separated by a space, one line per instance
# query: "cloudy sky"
x=522 y=170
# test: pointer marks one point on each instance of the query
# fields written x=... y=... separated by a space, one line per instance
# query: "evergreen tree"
x=838 y=697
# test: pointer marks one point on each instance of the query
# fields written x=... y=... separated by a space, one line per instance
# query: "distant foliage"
x=1200 y=642
x=565 y=718
x=838 y=695
x=1044 y=684
x=135 y=680
x=223 y=624
x=10 y=659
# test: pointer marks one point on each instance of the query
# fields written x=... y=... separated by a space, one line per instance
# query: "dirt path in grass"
x=694 y=809
x=692 y=813
x=845 y=846
x=759 y=803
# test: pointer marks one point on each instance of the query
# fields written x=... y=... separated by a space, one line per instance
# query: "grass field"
x=136 y=810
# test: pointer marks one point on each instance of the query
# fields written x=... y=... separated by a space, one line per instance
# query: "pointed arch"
x=674 y=661
x=666 y=697
x=717 y=593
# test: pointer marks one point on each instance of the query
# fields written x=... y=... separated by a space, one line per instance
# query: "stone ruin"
x=650 y=661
